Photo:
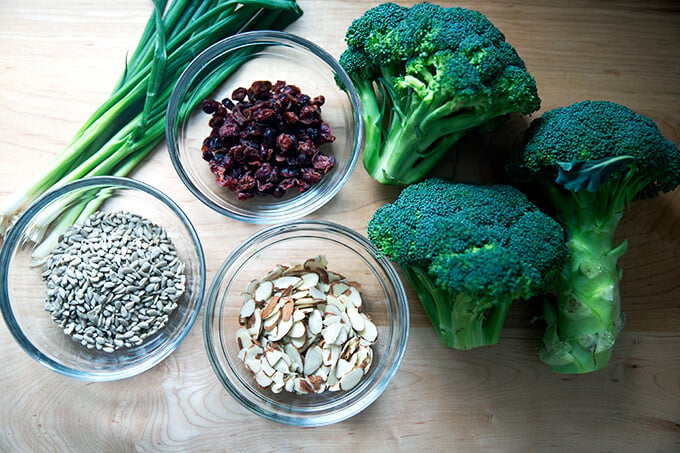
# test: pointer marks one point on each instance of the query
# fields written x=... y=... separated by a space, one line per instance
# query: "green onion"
x=131 y=122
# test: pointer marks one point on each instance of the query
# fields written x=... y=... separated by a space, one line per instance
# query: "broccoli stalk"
x=469 y=251
x=428 y=75
x=592 y=159
x=588 y=302
x=456 y=317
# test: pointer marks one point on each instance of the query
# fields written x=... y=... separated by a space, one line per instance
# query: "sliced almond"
x=353 y=296
x=263 y=291
x=271 y=307
x=344 y=334
x=243 y=338
x=287 y=310
x=338 y=288
x=254 y=324
x=272 y=355
x=277 y=386
x=254 y=365
x=262 y=379
x=250 y=288
x=248 y=307
x=355 y=318
x=316 y=264
x=302 y=386
x=331 y=353
x=286 y=281
x=298 y=315
x=351 y=379
x=350 y=347
x=295 y=358
x=364 y=358
x=253 y=352
x=303 y=330
x=298 y=342
x=334 y=301
x=313 y=360
x=315 y=322
x=317 y=294
x=272 y=321
x=332 y=381
x=330 y=333
x=309 y=280
x=289 y=385
x=276 y=272
x=342 y=368
x=370 y=331
x=297 y=330
x=266 y=368
x=282 y=367
x=282 y=329
x=333 y=309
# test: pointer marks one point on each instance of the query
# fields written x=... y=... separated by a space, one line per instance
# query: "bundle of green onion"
x=131 y=122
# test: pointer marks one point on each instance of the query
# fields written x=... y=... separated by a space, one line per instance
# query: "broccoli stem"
x=456 y=317
x=418 y=133
x=586 y=318
x=372 y=112
x=409 y=151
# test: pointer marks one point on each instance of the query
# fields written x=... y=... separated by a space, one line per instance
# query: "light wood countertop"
x=59 y=60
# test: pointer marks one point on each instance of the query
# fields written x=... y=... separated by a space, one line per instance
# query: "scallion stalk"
x=130 y=123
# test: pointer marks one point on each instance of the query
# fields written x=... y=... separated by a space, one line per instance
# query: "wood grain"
x=58 y=61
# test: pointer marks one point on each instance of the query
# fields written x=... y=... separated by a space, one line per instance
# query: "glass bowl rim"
x=399 y=309
x=250 y=38
x=13 y=240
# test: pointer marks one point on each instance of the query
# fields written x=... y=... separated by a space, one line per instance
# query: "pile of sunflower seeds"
x=113 y=280
x=303 y=330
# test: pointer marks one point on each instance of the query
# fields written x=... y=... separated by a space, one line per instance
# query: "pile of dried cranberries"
x=266 y=139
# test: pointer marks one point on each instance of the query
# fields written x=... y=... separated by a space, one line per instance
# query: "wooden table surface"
x=58 y=61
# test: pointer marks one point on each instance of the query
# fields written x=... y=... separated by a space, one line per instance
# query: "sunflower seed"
x=106 y=259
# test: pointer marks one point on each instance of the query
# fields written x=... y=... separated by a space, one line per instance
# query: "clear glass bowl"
x=347 y=253
x=23 y=291
x=273 y=56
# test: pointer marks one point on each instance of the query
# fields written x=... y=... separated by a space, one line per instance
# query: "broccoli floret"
x=592 y=159
x=469 y=251
x=426 y=76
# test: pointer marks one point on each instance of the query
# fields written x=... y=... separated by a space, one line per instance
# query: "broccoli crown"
x=489 y=242
x=453 y=53
x=428 y=75
x=592 y=142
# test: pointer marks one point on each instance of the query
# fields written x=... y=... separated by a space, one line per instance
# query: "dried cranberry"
x=239 y=94
x=310 y=175
x=266 y=138
x=290 y=117
x=269 y=138
x=263 y=115
x=288 y=183
x=286 y=142
x=323 y=163
x=229 y=130
x=209 y=106
x=326 y=134
x=302 y=99
x=228 y=103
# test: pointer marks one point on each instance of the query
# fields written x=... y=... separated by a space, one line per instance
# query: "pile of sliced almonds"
x=303 y=330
